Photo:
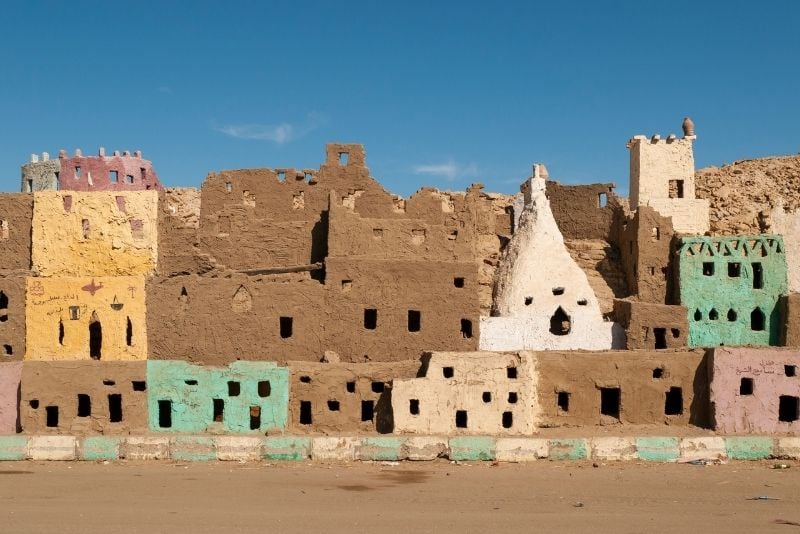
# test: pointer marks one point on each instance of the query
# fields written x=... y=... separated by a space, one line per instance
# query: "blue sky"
x=441 y=93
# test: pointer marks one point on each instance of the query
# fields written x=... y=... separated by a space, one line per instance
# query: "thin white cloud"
x=276 y=133
x=450 y=170
x=164 y=89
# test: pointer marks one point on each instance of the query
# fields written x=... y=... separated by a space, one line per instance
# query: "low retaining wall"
x=396 y=448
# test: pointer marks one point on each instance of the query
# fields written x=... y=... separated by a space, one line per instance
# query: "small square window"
x=708 y=268
x=113 y=176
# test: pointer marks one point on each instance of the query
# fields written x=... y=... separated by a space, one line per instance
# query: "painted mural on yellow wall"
x=86 y=318
x=109 y=233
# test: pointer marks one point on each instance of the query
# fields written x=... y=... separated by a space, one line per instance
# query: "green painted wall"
x=711 y=283
x=192 y=390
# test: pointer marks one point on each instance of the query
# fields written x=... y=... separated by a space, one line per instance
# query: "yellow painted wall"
x=112 y=248
x=112 y=299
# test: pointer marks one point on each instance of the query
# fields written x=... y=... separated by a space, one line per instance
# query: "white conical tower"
x=543 y=299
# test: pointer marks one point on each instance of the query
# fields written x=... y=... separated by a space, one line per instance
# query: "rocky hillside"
x=743 y=194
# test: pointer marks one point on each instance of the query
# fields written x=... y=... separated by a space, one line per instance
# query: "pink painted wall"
x=758 y=412
x=141 y=170
x=10 y=374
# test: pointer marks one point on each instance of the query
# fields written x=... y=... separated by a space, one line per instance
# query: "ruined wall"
x=662 y=176
x=789 y=307
x=84 y=318
x=178 y=221
x=558 y=311
x=634 y=387
x=652 y=326
x=10 y=375
x=755 y=390
x=730 y=287
x=347 y=398
x=645 y=242
x=468 y=393
x=83 y=397
x=745 y=194
x=243 y=397
x=95 y=234
x=16 y=213
x=583 y=211
x=40 y=175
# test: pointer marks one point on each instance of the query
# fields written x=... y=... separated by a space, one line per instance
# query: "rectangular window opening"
x=234 y=388
x=351 y=387
x=610 y=402
x=333 y=405
x=458 y=282
x=286 y=327
x=115 y=408
x=673 y=401
x=676 y=189
x=660 y=335
x=758 y=276
x=414 y=321
x=708 y=268
x=562 y=400
x=113 y=176
x=367 y=410
x=788 y=408
x=790 y=370
x=218 y=406
x=746 y=386
x=84 y=405
x=461 y=419
x=602 y=200
x=305 y=413
x=139 y=385
x=448 y=372
x=511 y=372
x=413 y=406
x=734 y=269
x=370 y=319
x=264 y=388
x=165 y=414
x=378 y=387
x=51 y=415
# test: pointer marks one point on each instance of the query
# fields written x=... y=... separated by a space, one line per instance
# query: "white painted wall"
x=536 y=276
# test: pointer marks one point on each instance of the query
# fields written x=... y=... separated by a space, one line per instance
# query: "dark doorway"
x=95 y=339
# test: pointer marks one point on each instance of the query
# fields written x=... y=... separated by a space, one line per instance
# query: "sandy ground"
x=409 y=497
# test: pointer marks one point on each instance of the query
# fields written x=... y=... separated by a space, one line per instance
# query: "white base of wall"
x=533 y=333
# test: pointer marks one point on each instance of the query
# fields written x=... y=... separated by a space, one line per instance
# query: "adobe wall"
x=16 y=212
x=116 y=403
x=12 y=317
x=240 y=398
x=40 y=175
x=583 y=211
x=95 y=234
x=345 y=398
x=645 y=244
x=755 y=390
x=178 y=221
x=447 y=310
x=570 y=388
x=731 y=287
x=789 y=307
x=10 y=375
x=64 y=315
x=235 y=316
x=469 y=393
x=652 y=326
x=531 y=311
